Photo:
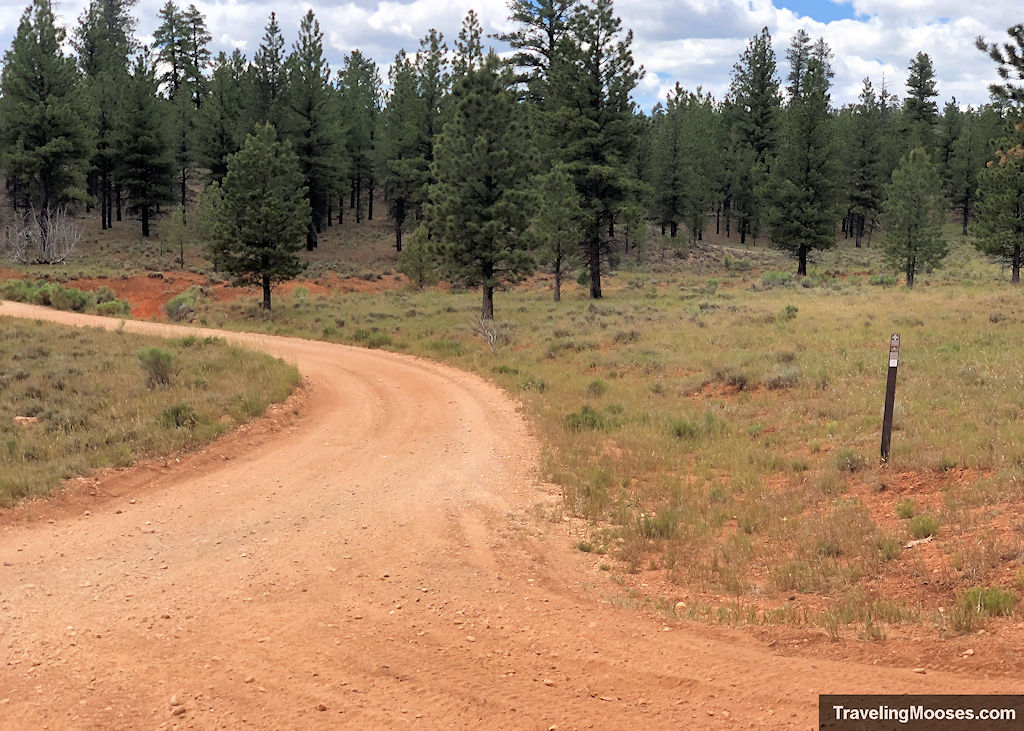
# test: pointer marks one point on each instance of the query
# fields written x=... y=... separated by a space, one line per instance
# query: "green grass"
x=718 y=418
x=53 y=294
x=96 y=404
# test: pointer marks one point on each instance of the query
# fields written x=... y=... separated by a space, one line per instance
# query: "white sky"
x=692 y=41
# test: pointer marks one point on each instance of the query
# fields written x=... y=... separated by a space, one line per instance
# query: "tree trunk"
x=911 y=262
x=662 y=228
x=801 y=267
x=341 y=208
x=330 y=215
x=311 y=238
x=1015 y=263
x=558 y=282
x=718 y=219
x=352 y=195
x=594 y=263
x=369 y=200
x=145 y=221
x=672 y=228
x=117 y=198
x=104 y=192
x=743 y=233
x=487 y=306
x=966 y=216
x=266 y=292
x=184 y=191
x=359 y=198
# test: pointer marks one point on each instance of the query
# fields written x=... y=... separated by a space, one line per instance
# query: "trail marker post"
x=890 y=394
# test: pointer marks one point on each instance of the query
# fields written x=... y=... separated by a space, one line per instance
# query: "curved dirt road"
x=370 y=564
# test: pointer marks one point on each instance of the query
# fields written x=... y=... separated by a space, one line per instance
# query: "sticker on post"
x=894 y=350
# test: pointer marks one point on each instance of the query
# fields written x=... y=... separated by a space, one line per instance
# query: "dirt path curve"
x=373 y=565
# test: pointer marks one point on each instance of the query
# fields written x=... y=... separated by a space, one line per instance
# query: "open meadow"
x=713 y=423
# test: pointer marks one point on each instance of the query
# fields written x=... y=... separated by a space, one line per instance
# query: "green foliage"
x=919 y=110
x=45 y=141
x=923 y=526
x=51 y=294
x=802 y=187
x=179 y=416
x=906 y=509
x=556 y=225
x=157 y=365
x=145 y=166
x=1000 y=229
x=479 y=205
x=221 y=128
x=259 y=214
x=593 y=123
x=914 y=214
x=418 y=259
x=312 y=123
x=181 y=306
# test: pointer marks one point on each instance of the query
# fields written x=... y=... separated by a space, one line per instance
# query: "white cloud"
x=693 y=41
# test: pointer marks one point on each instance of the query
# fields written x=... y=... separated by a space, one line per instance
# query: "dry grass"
x=89 y=402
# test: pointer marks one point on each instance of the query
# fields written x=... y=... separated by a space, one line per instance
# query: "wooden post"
x=890 y=394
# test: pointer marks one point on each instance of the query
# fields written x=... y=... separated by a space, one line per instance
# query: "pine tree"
x=556 y=225
x=478 y=206
x=920 y=112
x=802 y=183
x=45 y=144
x=268 y=76
x=104 y=41
x=1010 y=59
x=313 y=123
x=435 y=80
x=668 y=163
x=914 y=212
x=197 y=54
x=401 y=150
x=171 y=43
x=259 y=214
x=594 y=124
x=359 y=85
x=221 y=129
x=797 y=55
x=970 y=152
x=541 y=25
x=1000 y=228
x=865 y=186
x=145 y=168
x=469 y=53
x=753 y=106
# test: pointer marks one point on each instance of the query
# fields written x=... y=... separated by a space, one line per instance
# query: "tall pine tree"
x=914 y=213
x=802 y=183
x=1000 y=228
x=360 y=88
x=146 y=167
x=45 y=143
x=478 y=206
x=594 y=124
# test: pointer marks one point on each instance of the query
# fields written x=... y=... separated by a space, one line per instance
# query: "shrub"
x=923 y=526
x=158 y=365
x=882 y=280
x=979 y=602
x=770 y=280
x=586 y=419
x=183 y=305
x=782 y=378
x=114 y=308
x=847 y=460
x=788 y=312
x=664 y=524
x=906 y=509
x=66 y=298
x=371 y=338
x=179 y=416
x=597 y=388
x=682 y=429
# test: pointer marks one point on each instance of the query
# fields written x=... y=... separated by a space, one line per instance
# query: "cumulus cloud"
x=695 y=42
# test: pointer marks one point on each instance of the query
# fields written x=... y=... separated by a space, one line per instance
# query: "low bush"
x=158 y=365
x=923 y=526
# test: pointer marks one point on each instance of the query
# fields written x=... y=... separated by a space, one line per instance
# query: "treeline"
x=499 y=166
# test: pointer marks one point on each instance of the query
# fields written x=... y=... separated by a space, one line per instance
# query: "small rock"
x=249 y=679
x=470 y=638
x=26 y=421
x=321 y=707
x=178 y=711
x=968 y=653
x=548 y=682
x=175 y=701
x=680 y=606
x=920 y=671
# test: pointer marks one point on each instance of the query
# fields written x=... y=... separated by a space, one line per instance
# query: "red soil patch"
x=148 y=293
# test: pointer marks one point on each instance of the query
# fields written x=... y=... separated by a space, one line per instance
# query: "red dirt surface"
x=369 y=556
x=148 y=293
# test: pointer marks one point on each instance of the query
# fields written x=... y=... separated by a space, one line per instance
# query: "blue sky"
x=695 y=42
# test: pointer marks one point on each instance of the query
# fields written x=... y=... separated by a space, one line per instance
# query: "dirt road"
x=370 y=562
